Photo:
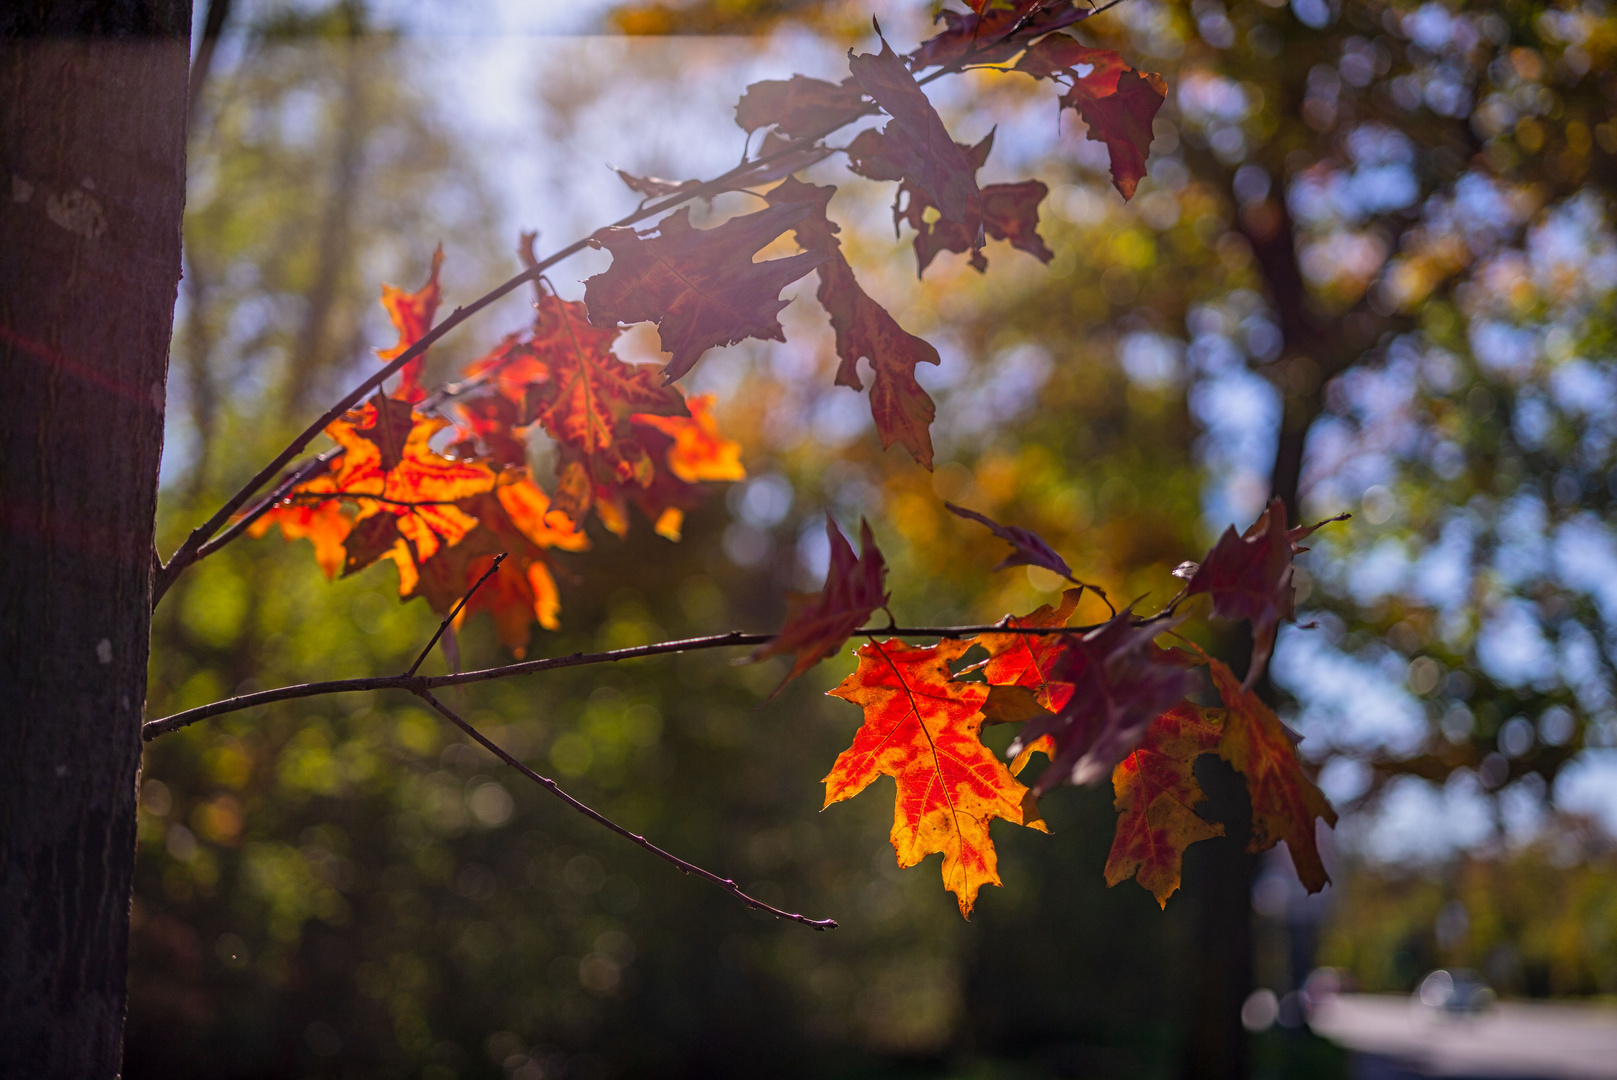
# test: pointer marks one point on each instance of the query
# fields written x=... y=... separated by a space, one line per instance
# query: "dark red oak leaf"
x=654 y=187
x=817 y=624
x=1028 y=548
x=917 y=138
x=1116 y=101
x=1120 y=685
x=700 y=286
x=799 y=106
x=1249 y=577
x=903 y=411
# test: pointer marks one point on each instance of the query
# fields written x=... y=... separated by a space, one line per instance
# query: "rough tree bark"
x=92 y=186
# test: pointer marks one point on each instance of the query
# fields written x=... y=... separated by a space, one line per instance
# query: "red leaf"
x=1119 y=687
x=412 y=314
x=700 y=286
x=922 y=728
x=799 y=106
x=917 y=139
x=1028 y=548
x=902 y=410
x=1116 y=101
x=818 y=624
x=1156 y=798
x=1249 y=577
x=1285 y=802
x=1029 y=662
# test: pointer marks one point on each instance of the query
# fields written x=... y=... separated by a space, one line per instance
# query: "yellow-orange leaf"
x=1285 y=802
x=323 y=524
x=1156 y=797
x=921 y=728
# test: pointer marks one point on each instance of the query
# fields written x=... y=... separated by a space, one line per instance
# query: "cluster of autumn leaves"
x=439 y=482
x=1101 y=702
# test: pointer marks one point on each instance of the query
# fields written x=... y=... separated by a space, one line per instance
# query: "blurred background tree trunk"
x=92 y=129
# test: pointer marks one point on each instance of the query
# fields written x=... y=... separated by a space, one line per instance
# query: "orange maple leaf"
x=1285 y=802
x=1028 y=661
x=412 y=314
x=323 y=524
x=699 y=452
x=586 y=403
x=1156 y=798
x=921 y=727
x=817 y=624
x=403 y=478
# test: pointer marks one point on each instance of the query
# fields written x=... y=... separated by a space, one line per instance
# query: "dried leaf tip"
x=1028 y=549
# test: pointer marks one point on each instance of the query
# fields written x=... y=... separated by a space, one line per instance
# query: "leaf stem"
x=478 y=584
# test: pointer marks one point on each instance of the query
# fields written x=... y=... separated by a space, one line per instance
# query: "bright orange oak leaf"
x=1249 y=577
x=419 y=490
x=1156 y=798
x=916 y=138
x=700 y=286
x=699 y=452
x=817 y=624
x=412 y=314
x=797 y=107
x=1116 y=101
x=902 y=410
x=1285 y=802
x=921 y=727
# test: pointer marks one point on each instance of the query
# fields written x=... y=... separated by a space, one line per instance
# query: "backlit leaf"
x=799 y=106
x=1156 y=795
x=700 y=286
x=1285 y=801
x=1116 y=101
x=817 y=624
x=412 y=314
x=903 y=411
x=921 y=727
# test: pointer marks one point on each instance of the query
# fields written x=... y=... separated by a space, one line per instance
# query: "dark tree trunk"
x=92 y=141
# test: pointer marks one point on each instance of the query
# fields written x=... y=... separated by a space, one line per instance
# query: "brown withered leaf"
x=1115 y=100
x=818 y=624
x=1156 y=798
x=700 y=286
x=916 y=139
x=799 y=106
x=1027 y=547
x=653 y=187
x=994 y=35
x=1249 y=577
x=903 y=411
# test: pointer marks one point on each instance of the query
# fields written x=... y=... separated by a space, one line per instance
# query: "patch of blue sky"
x=1511 y=646
x=1351 y=703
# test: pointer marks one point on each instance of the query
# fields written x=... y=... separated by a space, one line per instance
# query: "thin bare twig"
x=192 y=548
x=478 y=584
x=417 y=683
x=600 y=819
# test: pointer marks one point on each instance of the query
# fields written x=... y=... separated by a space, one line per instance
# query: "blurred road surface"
x=1395 y=1037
